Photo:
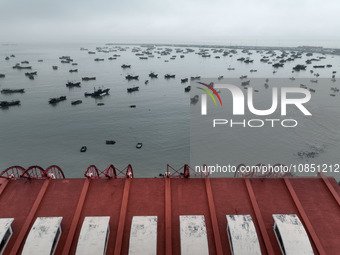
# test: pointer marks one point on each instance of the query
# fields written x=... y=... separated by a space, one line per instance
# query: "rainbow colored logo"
x=209 y=93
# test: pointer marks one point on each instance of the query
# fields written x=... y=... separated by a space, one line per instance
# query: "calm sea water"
x=37 y=133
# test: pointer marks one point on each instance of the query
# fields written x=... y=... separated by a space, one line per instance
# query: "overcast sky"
x=242 y=22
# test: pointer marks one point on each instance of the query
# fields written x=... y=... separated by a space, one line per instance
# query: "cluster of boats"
x=110 y=142
x=66 y=59
x=31 y=75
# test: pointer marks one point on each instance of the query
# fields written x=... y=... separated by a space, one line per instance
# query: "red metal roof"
x=316 y=201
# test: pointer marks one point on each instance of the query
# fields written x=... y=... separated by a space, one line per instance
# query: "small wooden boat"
x=76 y=102
x=130 y=90
x=139 y=145
x=83 y=149
x=187 y=89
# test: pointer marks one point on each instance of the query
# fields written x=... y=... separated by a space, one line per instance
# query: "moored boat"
x=72 y=84
x=168 y=76
x=153 y=75
x=76 y=102
x=5 y=104
x=55 y=100
x=131 y=77
x=10 y=91
x=88 y=78
x=187 y=89
x=98 y=93
x=129 y=90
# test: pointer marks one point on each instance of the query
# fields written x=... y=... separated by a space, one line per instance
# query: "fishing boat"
x=125 y=66
x=168 y=76
x=88 y=78
x=193 y=78
x=184 y=80
x=2 y=75
x=10 y=91
x=129 y=90
x=76 y=102
x=139 y=145
x=187 y=89
x=153 y=75
x=73 y=71
x=110 y=142
x=55 y=67
x=83 y=149
x=55 y=100
x=98 y=93
x=31 y=73
x=131 y=77
x=5 y=104
x=194 y=99
x=72 y=84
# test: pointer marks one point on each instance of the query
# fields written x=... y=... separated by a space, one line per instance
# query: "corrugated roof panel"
x=43 y=237
x=242 y=235
x=193 y=235
x=5 y=232
x=93 y=236
x=291 y=235
x=143 y=235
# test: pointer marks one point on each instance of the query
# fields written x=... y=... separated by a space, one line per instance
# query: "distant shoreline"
x=313 y=49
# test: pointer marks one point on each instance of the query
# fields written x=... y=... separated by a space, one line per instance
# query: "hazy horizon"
x=244 y=22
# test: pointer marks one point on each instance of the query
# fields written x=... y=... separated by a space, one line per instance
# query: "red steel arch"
x=13 y=172
x=184 y=172
x=92 y=172
x=35 y=172
x=110 y=172
x=54 y=172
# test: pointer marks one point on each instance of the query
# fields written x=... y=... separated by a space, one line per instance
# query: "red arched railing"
x=13 y=172
x=185 y=172
x=35 y=172
x=92 y=172
x=110 y=172
x=54 y=172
